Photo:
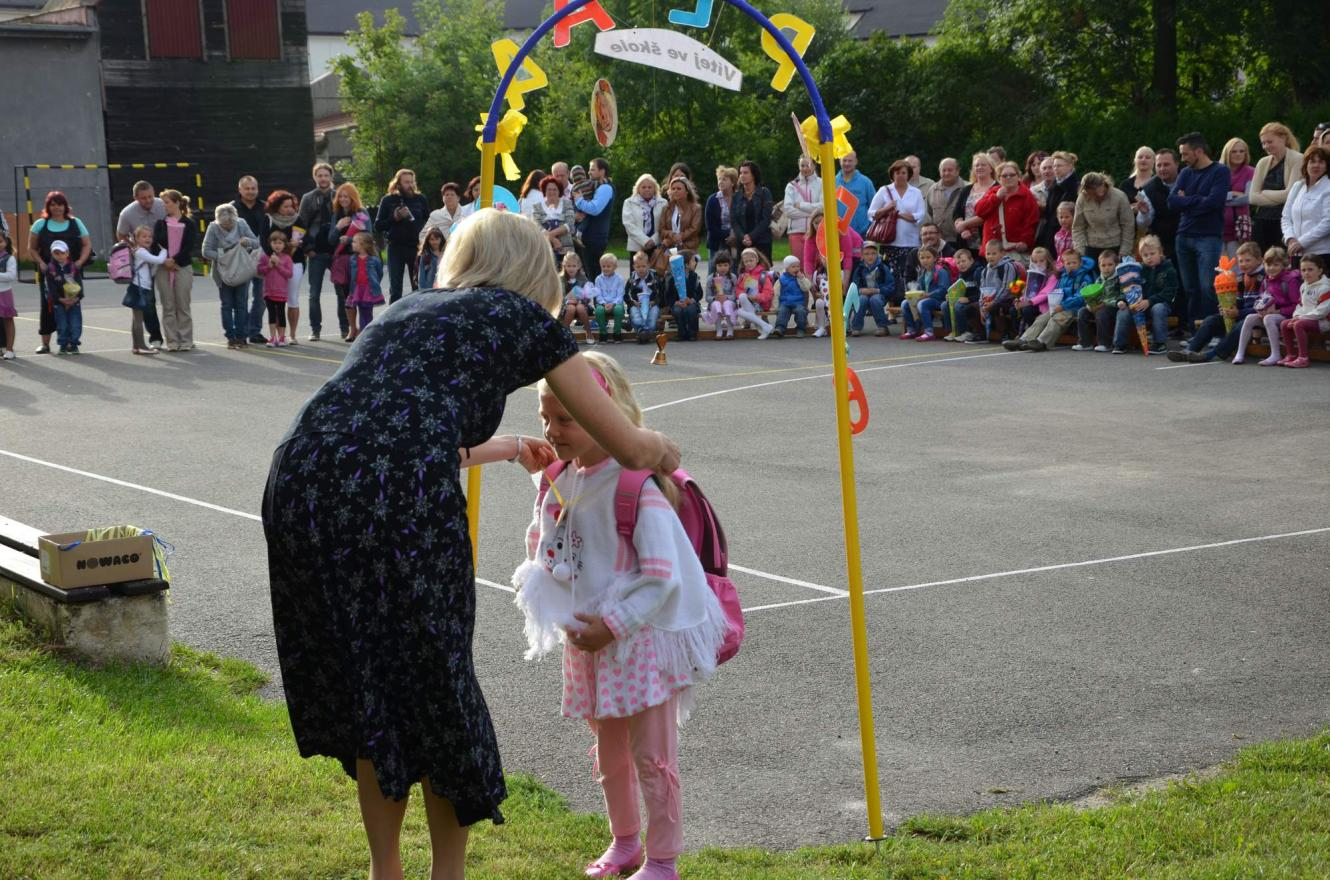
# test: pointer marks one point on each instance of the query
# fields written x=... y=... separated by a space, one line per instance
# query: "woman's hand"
x=669 y=459
x=344 y=222
x=170 y=264
x=536 y=454
x=1294 y=247
x=591 y=637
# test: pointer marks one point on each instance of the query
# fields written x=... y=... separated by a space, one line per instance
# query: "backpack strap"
x=711 y=546
x=626 y=494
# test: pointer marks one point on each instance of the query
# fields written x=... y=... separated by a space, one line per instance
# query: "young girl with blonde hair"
x=755 y=290
x=636 y=622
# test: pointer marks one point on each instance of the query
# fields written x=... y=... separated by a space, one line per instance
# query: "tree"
x=418 y=106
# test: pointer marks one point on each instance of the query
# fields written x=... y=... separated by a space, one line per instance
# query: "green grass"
x=134 y=772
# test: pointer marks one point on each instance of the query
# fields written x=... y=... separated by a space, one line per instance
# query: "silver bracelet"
x=518 y=453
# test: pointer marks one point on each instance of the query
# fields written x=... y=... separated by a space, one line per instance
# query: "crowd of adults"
x=1198 y=201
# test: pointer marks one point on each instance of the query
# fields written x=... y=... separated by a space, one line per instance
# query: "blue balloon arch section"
x=819 y=109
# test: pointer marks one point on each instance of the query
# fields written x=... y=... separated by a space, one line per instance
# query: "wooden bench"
x=124 y=622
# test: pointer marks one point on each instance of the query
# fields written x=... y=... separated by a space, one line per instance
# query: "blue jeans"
x=645 y=317
x=235 y=322
x=1211 y=327
x=1157 y=315
x=68 y=324
x=928 y=307
x=151 y=323
x=401 y=258
x=317 y=265
x=1198 y=257
x=878 y=304
x=799 y=313
x=258 y=310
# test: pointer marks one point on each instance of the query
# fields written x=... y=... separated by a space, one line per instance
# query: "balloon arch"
x=498 y=137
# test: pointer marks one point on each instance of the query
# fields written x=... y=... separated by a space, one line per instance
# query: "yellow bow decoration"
x=839 y=125
x=505 y=140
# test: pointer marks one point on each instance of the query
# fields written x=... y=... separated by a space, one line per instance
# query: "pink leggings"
x=642 y=749
x=1299 y=328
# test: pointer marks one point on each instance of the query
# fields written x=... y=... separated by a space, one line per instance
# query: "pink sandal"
x=603 y=867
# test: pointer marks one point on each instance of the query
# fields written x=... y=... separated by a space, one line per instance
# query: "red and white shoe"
x=925 y=337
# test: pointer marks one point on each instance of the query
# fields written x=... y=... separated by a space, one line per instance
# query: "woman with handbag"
x=896 y=211
x=231 y=247
x=349 y=217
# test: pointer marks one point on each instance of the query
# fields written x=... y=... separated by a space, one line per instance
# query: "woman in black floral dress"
x=373 y=593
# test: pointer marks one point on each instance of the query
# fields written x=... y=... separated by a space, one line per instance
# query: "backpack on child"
x=699 y=523
x=120 y=265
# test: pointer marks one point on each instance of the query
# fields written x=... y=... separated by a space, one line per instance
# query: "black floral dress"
x=373 y=594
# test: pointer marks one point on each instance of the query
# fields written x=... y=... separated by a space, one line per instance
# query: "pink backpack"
x=699 y=523
x=120 y=264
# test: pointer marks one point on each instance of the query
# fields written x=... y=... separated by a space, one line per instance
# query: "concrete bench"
x=125 y=622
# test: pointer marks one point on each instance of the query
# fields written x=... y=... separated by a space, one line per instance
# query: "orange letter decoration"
x=592 y=12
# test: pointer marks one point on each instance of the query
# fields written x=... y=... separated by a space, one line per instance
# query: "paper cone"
x=1228 y=300
x=1144 y=335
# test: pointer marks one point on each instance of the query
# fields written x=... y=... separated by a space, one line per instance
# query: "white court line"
x=785 y=580
x=114 y=482
x=497 y=586
x=217 y=507
x=945 y=360
x=1056 y=567
x=1180 y=366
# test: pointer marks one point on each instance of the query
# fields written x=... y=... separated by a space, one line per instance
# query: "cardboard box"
x=94 y=563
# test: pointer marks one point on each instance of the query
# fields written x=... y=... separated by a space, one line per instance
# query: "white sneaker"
x=819 y=332
x=1101 y=348
x=9 y=354
x=271 y=343
x=764 y=334
x=950 y=337
x=967 y=336
x=1079 y=347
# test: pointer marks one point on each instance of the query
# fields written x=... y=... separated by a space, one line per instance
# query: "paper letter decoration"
x=592 y=12
x=846 y=204
x=799 y=33
x=700 y=17
x=528 y=78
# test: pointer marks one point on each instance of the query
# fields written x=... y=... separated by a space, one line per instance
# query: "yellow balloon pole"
x=849 y=501
x=473 y=473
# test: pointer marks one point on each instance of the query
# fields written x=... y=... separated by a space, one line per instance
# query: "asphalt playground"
x=1082 y=569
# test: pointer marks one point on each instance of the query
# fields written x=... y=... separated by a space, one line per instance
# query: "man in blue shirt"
x=1199 y=198
x=860 y=186
x=596 y=230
